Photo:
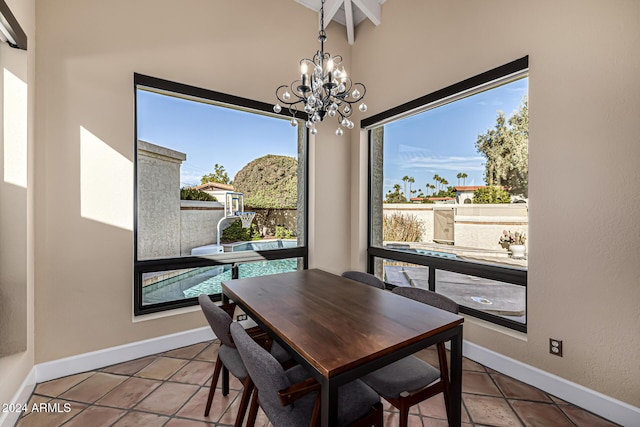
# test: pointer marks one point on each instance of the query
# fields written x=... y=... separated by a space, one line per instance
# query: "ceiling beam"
x=348 y=18
x=371 y=8
x=331 y=7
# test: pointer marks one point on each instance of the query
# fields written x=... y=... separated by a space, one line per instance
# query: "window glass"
x=454 y=178
x=449 y=193
x=220 y=181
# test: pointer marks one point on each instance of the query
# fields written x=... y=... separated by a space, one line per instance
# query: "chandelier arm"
x=297 y=98
x=363 y=92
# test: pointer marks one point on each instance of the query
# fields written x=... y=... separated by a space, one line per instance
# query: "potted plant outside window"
x=514 y=242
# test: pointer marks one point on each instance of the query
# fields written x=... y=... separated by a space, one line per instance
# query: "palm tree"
x=410 y=181
x=459 y=176
x=464 y=177
x=405 y=179
x=436 y=178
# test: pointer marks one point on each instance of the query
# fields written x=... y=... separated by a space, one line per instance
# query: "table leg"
x=328 y=403
x=455 y=383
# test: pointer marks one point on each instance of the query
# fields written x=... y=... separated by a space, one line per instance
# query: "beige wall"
x=16 y=206
x=583 y=120
x=583 y=123
x=88 y=52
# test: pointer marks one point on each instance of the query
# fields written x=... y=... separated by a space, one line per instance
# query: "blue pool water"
x=435 y=253
x=264 y=245
x=213 y=285
x=404 y=247
x=207 y=280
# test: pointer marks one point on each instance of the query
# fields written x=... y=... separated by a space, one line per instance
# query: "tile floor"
x=170 y=389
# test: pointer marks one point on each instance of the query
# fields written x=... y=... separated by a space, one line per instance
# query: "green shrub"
x=397 y=227
x=283 y=232
x=235 y=233
x=193 y=194
x=491 y=195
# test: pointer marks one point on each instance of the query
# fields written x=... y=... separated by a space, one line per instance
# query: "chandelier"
x=324 y=89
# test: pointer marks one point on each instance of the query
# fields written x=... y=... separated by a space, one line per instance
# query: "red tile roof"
x=214 y=186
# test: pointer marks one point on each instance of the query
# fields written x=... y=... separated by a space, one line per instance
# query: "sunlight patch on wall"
x=106 y=183
x=15 y=130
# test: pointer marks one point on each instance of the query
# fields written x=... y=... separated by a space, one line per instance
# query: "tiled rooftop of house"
x=170 y=389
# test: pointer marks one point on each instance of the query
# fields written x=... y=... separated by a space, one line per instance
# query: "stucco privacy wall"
x=583 y=122
x=88 y=52
x=17 y=205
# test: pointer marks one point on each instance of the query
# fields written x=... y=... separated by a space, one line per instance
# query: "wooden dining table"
x=340 y=329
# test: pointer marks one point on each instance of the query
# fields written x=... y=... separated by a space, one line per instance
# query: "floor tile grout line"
x=508 y=400
x=504 y=397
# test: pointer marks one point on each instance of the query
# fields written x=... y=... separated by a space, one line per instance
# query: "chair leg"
x=253 y=409
x=404 y=415
x=214 y=383
x=225 y=381
x=244 y=401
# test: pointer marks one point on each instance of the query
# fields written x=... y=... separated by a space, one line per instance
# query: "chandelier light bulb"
x=314 y=131
x=363 y=107
x=277 y=108
x=339 y=132
x=303 y=68
x=332 y=113
x=293 y=122
x=355 y=93
x=309 y=124
x=346 y=109
x=286 y=96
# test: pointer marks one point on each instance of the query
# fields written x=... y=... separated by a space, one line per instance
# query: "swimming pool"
x=435 y=253
x=207 y=280
x=264 y=245
x=407 y=248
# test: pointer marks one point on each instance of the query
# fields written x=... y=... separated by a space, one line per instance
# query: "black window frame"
x=230 y=258
x=510 y=275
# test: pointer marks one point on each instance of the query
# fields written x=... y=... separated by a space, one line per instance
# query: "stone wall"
x=158 y=201
x=475 y=226
x=198 y=224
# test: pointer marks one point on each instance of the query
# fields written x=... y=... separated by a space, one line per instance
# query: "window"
x=203 y=158
x=449 y=194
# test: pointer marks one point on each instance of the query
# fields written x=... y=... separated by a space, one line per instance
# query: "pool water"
x=264 y=245
x=436 y=253
x=213 y=285
x=207 y=280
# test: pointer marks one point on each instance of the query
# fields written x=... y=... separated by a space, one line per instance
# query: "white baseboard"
x=593 y=401
x=122 y=353
x=605 y=406
x=8 y=419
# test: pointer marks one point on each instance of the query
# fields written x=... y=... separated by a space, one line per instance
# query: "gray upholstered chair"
x=292 y=399
x=366 y=278
x=220 y=318
x=411 y=380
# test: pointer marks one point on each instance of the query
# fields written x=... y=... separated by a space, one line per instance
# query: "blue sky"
x=209 y=134
x=439 y=141
x=442 y=140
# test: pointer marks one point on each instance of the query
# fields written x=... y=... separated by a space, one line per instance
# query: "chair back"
x=428 y=297
x=265 y=371
x=366 y=278
x=218 y=319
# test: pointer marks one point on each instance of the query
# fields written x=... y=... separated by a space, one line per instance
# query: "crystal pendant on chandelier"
x=324 y=89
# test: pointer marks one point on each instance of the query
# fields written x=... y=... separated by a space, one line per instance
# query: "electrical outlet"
x=241 y=317
x=555 y=347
